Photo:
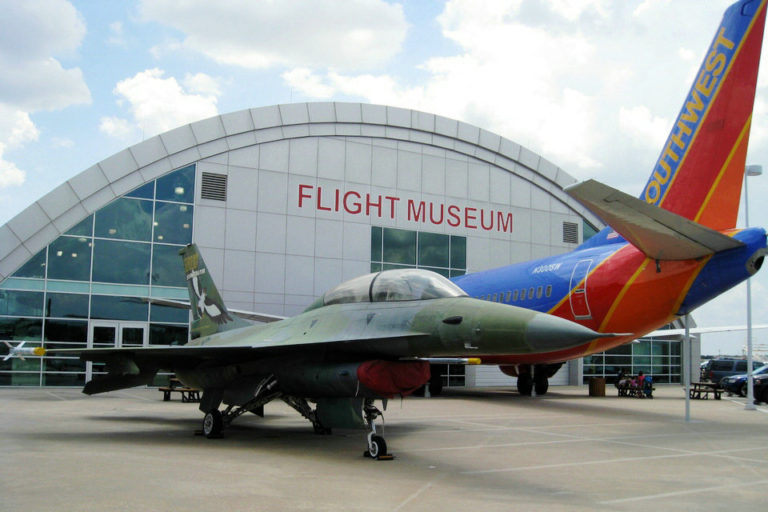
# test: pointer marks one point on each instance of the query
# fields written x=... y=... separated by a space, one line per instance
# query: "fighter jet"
x=369 y=338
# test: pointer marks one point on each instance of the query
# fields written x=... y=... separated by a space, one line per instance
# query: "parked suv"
x=761 y=388
x=737 y=384
x=716 y=369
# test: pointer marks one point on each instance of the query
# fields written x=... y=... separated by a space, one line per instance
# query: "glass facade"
x=400 y=248
x=655 y=357
x=445 y=254
x=90 y=286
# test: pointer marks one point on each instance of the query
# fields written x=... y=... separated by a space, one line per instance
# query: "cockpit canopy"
x=393 y=285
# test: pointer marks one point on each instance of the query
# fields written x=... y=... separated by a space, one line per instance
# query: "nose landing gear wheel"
x=213 y=424
x=377 y=447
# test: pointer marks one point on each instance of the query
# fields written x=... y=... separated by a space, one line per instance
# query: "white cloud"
x=16 y=129
x=202 y=84
x=158 y=104
x=642 y=126
x=32 y=78
x=358 y=34
x=118 y=127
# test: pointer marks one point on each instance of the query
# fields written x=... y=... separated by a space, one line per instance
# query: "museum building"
x=285 y=202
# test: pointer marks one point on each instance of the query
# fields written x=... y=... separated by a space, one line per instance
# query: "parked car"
x=761 y=388
x=737 y=384
x=716 y=369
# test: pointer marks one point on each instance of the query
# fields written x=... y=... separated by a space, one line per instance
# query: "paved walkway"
x=468 y=450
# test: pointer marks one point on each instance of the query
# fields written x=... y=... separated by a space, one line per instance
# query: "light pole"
x=751 y=170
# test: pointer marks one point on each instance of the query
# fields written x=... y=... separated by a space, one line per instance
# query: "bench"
x=644 y=391
x=175 y=386
x=702 y=390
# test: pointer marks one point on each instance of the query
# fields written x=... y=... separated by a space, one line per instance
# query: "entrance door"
x=113 y=334
x=579 y=304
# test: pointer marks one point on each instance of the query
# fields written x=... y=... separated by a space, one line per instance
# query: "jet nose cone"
x=547 y=333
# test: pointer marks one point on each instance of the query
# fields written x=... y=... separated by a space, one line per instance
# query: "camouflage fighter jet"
x=369 y=338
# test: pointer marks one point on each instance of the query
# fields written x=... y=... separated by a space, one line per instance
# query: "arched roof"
x=72 y=201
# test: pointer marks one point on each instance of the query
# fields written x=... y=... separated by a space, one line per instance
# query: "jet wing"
x=658 y=233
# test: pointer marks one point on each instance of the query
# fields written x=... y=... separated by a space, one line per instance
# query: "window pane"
x=35 y=267
x=18 y=329
x=17 y=303
x=442 y=271
x=433 y=250
x=375 y=243
x=70 y=259
x=118 y=308
x=143 y=192
x=167 y=334
x=173 y=223
x=82 y=228
x=159 y=313
x=167 y=269
x=63 y=379
x=63 y=365
x=120 y=262
x=400 y=246
x=66 y=305
x=66 y=330
x=126 y=219
x=458 y=252
x=177 y=186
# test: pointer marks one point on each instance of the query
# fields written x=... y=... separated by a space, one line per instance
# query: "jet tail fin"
x=658 y=233
x=701 y=167
x=209 y=314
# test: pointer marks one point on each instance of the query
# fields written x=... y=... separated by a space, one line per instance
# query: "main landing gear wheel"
x=213 y=423
x=524 y=384
x=540 y=383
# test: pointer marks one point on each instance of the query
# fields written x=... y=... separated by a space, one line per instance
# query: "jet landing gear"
x=377 y=447
x=535 y=378
x=215 y=420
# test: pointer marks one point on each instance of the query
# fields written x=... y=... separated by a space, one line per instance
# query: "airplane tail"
x=209 y=314
x=701 y=167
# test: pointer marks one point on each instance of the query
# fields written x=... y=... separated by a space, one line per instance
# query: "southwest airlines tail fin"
x=209 y=314
x=701 y=167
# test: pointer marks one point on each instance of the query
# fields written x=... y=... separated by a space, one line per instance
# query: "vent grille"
x=570 y=233
x=214 y=187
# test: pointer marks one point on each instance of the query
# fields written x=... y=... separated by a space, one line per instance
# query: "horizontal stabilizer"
x=658 y=233
x=246 y=315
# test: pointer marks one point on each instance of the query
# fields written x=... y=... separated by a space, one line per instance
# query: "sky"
x=591 y=85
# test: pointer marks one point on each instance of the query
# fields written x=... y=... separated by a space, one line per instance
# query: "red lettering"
x=302 y=195
x=338 y=194
x=358 y=207
x=467 y=216
x=368 y=205
x=502 y=225
x=453 y=211
x=432 y=213
x=392 y=201
x=414 y=214
x=482 y=220
x=320 y=199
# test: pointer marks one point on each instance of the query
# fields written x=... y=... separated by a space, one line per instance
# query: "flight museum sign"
x=353 y=202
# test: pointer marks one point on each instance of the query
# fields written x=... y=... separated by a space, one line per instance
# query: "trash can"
x=596 y=386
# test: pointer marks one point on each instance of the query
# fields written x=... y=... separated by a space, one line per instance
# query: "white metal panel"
x=491 y=375
x=561 y=377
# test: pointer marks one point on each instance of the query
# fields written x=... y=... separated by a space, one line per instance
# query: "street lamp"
x=750 y=170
